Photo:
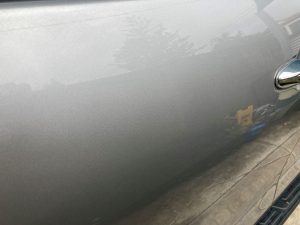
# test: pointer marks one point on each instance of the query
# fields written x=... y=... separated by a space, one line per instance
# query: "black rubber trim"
x=283 y=206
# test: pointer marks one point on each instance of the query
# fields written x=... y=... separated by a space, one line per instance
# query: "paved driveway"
x=238 y=190
x=294 y=219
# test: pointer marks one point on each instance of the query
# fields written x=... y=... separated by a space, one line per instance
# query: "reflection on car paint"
x=244 y=116
x=251 y=121
x=136 y=99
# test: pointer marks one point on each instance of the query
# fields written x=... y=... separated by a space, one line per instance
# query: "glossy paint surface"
x=105 y=103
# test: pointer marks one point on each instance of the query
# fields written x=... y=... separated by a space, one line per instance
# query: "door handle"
x=288 y=75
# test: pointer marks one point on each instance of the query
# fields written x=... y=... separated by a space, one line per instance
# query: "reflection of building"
x=273 y=26
x=292 y=28
x=261 y=4
x=287 y=31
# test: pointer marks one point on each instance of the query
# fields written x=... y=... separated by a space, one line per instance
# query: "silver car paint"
x=105 y=104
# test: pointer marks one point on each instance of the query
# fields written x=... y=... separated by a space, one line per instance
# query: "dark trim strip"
x=278 y=213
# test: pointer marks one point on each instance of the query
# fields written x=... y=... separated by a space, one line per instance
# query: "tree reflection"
x=149 y=45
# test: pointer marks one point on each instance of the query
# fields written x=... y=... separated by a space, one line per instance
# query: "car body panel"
x=104 y=104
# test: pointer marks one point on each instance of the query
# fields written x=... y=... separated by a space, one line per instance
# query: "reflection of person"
x=252 y=121
x=244 y=116
x=266 y=113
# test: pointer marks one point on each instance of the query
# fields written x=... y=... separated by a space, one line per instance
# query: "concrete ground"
x=294 y=219
x=238 y=190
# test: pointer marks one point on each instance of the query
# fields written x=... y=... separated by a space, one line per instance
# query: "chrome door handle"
x=288 y=75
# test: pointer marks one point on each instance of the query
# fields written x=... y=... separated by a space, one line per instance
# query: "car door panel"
x=105 y=104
